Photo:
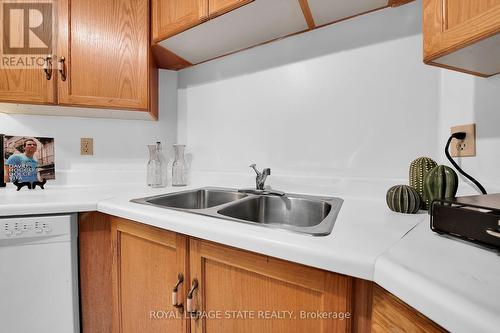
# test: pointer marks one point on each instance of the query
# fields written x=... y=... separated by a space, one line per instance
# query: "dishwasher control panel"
x=36 y=226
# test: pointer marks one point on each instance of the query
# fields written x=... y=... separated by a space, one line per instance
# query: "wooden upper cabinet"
x=463 y=35
x=189 y=32
x=169 y=17
x=237 y=30
x=279 y=296
x=102 y=49
x=146 y=264
x=219 y=7
x=107 y=62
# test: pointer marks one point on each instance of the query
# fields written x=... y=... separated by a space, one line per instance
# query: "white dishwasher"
x=39 y=274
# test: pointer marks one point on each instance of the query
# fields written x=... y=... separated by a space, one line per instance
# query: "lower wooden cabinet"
x=128 y=271
x=146 y=265
x=239 y=291
x=389 y=314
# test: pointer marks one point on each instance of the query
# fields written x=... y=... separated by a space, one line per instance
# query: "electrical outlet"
x=467 y=146
x=86 y=146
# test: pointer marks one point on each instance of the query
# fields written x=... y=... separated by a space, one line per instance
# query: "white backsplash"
x=342 y=110
x=468 y=99
x=348 y=100
x=120 y=153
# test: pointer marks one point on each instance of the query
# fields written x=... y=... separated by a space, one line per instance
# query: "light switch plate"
x=466 y=147
x=86 y=146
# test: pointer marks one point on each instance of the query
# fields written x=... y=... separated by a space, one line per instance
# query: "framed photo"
x=28 y=159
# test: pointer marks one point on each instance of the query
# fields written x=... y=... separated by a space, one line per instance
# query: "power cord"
x=461 y=136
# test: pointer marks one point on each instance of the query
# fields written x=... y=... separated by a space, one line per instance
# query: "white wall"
x=348 y=100
x=119 y=145
x=468 y=99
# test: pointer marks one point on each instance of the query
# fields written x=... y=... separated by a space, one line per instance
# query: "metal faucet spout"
x=261 y=177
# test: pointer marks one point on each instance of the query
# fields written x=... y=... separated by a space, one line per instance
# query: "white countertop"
x=364 y=230
x=452 y=282
x=447 y=280
x=54 y=199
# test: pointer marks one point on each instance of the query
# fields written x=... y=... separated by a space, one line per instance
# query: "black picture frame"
x=2 y=163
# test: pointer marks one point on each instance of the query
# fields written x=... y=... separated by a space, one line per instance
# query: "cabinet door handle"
x=47 y=67
x=175 y=299
x=61 y=67
x=190 y=302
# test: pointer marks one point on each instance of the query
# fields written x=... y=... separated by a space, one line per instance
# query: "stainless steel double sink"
x=312 y=215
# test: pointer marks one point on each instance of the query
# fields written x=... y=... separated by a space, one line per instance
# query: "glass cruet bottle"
x=179 y=167
x=163 y=163
x=154 y=176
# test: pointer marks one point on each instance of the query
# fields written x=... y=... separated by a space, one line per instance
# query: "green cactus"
x=403 y=199
x=440 y=183
x=418 y=169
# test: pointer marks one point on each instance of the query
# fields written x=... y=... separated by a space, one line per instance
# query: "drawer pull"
x=61 y=67
x=175 y=299
x=193 y=313
x=47 y=67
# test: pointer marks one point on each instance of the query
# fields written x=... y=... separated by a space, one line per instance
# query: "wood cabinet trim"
x=167 y=59
x=153 y=234
x=304 y=5
x=226 y=7
x=115 y=278
x=462 y=70
x=362 y=305
x=390 y=314
x=95 y=269
x=173 y=28
x=278 y=269
x=397 y=3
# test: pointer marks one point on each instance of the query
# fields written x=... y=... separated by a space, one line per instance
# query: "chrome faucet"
x=260 y=180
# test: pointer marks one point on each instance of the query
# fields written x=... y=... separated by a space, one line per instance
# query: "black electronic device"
x=473 y=218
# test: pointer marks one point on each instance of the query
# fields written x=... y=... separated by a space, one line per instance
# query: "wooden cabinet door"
x=146 y=264
x=25 y=86
x=242 y=292
x=22 y=78
x=449 y=26
x=169 y=17
x=105 y=45
x=219 y=7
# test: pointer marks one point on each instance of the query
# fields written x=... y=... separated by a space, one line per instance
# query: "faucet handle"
x=254 y=167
